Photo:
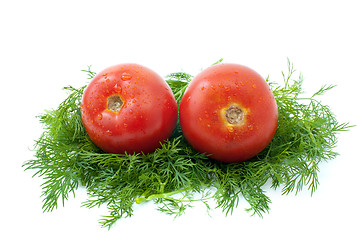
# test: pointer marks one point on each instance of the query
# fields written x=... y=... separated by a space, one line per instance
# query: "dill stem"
x=142 y=199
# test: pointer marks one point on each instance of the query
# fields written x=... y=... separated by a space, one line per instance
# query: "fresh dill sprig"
x=90 y=73
x=175 y=176
x=178 y=81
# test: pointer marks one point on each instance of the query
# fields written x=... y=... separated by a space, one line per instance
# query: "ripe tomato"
x=229 y=112
x=128 y=108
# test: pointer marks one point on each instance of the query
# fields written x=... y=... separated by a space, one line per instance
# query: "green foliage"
x=175 y=176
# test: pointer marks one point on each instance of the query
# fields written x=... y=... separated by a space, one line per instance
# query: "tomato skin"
x=207 y=106
x=146 y=118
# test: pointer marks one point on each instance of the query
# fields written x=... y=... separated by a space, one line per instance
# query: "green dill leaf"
x=218 y=62
x=178 y=82
x=90 y=74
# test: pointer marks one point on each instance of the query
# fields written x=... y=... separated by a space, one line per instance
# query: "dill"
x=175 y=176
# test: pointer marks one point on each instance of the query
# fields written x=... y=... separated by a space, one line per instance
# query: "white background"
x=45 y=44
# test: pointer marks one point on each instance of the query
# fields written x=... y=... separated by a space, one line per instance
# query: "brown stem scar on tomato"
x=234 y=115
x=114 y=103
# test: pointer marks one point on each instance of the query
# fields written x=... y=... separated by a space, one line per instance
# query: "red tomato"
x=128 y=108
x=229 y=112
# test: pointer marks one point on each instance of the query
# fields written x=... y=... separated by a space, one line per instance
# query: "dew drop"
x=230 y=129
x=117 y=88
x=250 y=127
x=108 y=132
x=125 y=125
x=99 y=116
x=126 y=76
x=254 y=86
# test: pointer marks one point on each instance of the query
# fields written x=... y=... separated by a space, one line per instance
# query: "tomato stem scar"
x=114 y=103
x=234 y=115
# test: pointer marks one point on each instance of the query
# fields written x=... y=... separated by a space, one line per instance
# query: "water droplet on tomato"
x=126 y=76
x=125 y=125
x=250 y=127
x=108 y=132
x=254 y=86
x=117 y=88
x=230 y=129
x=99 y=116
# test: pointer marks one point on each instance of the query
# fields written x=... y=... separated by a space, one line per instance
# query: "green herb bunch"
x=175 y=176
